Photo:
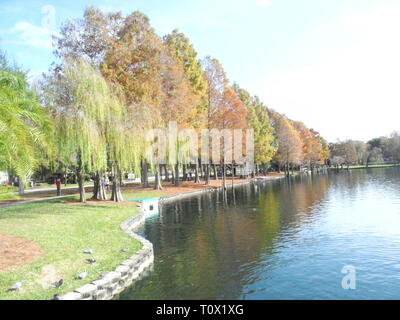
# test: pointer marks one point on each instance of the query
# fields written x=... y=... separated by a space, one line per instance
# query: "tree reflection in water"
x=210 y=246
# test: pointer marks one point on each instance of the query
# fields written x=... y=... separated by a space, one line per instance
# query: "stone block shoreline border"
x=114 y=282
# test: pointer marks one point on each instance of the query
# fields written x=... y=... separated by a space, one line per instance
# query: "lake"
x=283 y=239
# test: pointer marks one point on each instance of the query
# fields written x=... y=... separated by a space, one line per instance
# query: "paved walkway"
x=17 y=203
x=39 y=190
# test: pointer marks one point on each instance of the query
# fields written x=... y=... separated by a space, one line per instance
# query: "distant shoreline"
x=365 y=167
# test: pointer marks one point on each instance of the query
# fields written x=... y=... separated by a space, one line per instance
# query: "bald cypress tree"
x=185 y=52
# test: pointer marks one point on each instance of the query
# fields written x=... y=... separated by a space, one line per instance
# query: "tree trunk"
x=82 y=193
x=166 y=178
x=196 y=173
x=157 y=185
x=233 y=176
x=184 y=173
x=224 y=176
x=96 y=183
x=215 y=172
x=21 y=186
x=145 y=174
x=102 y=194
x=176 y=180
x=99 y=191
x=207 y=174
x=116 y=195
x=65 y=176
x=81 y=180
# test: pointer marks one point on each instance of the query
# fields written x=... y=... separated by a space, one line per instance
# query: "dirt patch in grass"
x=190 y=186
x=16 y=251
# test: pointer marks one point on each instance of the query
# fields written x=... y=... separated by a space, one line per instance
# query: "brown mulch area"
x=16 y=251
x=190 y=186
x=169 y=189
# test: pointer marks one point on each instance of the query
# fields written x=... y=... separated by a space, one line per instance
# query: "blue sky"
x=333 y=64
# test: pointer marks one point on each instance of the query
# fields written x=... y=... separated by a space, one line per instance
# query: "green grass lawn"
x=6 y=193
x=7 y=196
x=64 y=230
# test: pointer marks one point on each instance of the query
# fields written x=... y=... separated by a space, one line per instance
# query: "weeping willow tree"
x=95 y=131
x=78 y=101
x=140 y=118
x=126 y=138
x=75 y=97
x=25 y=128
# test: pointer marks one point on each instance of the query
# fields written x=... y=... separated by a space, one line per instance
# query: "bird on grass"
x=17 y=286
x=82 y=275
x=90 y=261
x=88 y=251
x=58 y=283
x=125 y=250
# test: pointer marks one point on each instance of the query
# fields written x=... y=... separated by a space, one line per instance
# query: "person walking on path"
x=58 y=185
x=107 y=182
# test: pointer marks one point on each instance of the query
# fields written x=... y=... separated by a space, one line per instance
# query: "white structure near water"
x=149 y=206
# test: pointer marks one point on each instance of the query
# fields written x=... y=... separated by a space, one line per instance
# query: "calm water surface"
x=285 y=239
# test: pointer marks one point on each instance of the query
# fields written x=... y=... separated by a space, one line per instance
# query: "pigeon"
x=90 y=261
x=88 y=251
x=56 y=297
x=125 y=250
x=82 y=275
x=17 y=286
x=58 y=283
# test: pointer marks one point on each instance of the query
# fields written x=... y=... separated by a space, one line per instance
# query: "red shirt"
x=58 y=183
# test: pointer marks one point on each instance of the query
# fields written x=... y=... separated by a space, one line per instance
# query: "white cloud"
x=346 y=83
x=25 y=33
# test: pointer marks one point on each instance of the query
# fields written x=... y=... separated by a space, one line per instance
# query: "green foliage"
x=186 y=53
x=264 y=139
x=25 y=128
